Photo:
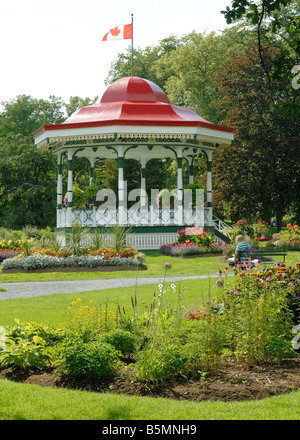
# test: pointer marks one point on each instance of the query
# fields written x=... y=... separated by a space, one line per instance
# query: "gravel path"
x=30 y=289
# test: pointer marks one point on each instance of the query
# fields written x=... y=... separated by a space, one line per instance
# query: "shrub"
x=93 y=359
x=25 y=354
x=157 y=365
x=27 y=331
x=29 y=345
x=122 y=340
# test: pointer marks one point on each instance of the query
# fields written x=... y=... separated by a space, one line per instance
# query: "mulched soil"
x=232 y=383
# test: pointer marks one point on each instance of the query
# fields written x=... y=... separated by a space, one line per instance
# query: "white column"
x=91 y=169
x=209 y=187
x=179 y=186
x=59 y=182
x=191 y=169
x=59 y=195
x=121 y=186
x=70 y=188
x=143 y=163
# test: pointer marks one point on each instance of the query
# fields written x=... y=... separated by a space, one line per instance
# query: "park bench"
x=261 y=255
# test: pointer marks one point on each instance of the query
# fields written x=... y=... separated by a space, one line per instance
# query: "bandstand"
x=134 y=120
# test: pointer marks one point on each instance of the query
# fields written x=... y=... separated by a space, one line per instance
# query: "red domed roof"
x=136 y=101
x=134 y=89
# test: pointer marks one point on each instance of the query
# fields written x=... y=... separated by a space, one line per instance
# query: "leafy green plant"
x=28 y=330
x=75 y=239
x=120 y=234
x=98 y=238
x=93 y=359
x=25 y=354
x=28 y=345
x=157 y=365
x=122 y=340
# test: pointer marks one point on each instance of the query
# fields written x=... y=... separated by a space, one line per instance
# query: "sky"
x=55 y=47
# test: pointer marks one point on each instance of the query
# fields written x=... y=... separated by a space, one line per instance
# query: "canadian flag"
x=121 y=32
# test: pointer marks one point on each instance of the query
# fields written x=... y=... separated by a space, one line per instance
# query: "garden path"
x=31 y=289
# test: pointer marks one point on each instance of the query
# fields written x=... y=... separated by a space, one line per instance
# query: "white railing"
x=142 y=241
x=221 y=226
x=132 y=217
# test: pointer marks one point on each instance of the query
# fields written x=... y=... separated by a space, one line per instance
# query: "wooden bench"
x=262 y=253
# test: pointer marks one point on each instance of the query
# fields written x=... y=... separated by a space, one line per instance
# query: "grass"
x=50 y=309
x=154 y=260
x=30 y=402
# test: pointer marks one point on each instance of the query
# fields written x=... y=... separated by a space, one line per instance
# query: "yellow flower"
x=73 y=302
x=68 y=308
x=78 y=300
x=92 y=301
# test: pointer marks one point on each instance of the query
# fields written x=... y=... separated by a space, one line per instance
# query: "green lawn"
x=51 y=309
x=30 y=402
x=154 y=260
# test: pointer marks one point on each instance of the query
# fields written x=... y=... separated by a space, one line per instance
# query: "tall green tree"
x=143 y=63
x=278 y=21
x=25 y=114
x=263 y=173
x=27 y=184
x=75 y=103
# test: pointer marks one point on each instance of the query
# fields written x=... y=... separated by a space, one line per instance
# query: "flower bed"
x=249 y=322
x=188 y=249
x=192 y=241
x=288 y=238
x=38 y=261
x=8 y=253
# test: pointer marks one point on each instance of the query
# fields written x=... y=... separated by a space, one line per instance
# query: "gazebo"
x=134 y=120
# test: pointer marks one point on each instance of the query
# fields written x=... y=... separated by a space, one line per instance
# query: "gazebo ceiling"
x=131 y=107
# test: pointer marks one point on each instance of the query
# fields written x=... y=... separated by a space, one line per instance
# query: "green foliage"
x=158 y=365
x=29 y=345
x=260 y=149
x=120 y=234
x=76 y=237
x=92 y=359
x=25 y=354
x=123 y=340
x=28 y=330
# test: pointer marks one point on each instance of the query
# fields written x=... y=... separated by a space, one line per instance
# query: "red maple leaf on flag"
x=115 y=31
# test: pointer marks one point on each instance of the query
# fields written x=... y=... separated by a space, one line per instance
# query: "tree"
x=26 y=114
x=281 y=20
x=144 y=60
x=263 y=174
x=75 y=103
x=27 y=184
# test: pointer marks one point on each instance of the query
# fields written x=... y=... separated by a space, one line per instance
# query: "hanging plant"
x=82 y=198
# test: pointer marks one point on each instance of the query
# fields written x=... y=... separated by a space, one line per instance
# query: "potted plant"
x=262 y=228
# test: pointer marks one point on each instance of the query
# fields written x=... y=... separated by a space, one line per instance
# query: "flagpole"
x=132 y=45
